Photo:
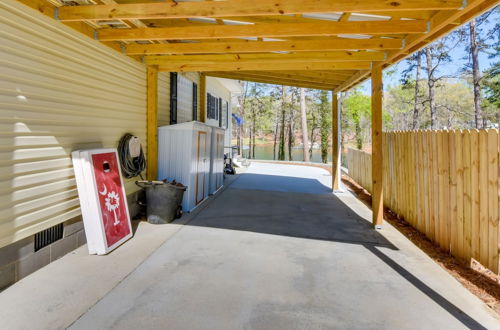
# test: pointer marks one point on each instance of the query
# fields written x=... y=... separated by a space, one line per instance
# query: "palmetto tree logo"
x=112 y=203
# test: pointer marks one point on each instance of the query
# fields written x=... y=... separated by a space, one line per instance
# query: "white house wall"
x=59 y=91
x=215 y=88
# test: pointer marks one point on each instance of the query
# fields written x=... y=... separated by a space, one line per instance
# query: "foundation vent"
x=48 y=236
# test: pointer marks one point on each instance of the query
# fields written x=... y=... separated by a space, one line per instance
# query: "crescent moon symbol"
x=104 y=192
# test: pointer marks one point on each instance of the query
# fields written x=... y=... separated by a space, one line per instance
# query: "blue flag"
x=239 y=121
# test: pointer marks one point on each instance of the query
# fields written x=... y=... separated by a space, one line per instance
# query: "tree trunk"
x=253 y=138
x=324 y=126
x=291 y=128
x=312 y=141
x=476 y=75
x=281 y=149
x=250 y=142
x=430 y=83
x=414 y=125
x=276 y=127
x=303 y=117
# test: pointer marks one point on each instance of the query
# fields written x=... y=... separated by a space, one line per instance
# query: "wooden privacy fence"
x=444 y=183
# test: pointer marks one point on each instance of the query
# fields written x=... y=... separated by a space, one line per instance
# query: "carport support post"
x=377 y=160
x=152 y=122
x=335 y=143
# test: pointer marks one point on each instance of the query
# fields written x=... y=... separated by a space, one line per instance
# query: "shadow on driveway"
x=305 y=208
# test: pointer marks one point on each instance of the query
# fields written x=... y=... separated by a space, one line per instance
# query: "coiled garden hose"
x=131 y=166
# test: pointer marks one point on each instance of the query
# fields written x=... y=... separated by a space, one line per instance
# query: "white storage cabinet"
x=216 y=172
x=184 y=156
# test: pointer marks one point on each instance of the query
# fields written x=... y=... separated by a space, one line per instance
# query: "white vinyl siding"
x=163 y=98
x=59 y=91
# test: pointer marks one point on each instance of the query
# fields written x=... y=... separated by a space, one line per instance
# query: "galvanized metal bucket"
x=163 y=201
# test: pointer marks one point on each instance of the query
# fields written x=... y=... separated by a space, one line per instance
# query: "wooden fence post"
x=377 y=160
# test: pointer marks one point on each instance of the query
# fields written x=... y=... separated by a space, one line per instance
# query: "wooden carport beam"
x=264 y=66
x=152 y=122
x=265 y=58
x=237 y=8
x=265 y=46
x=265 y=30
x=377 y=159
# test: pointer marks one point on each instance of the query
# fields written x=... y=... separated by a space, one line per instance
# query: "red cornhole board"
x=102 y=199
x=112 y=200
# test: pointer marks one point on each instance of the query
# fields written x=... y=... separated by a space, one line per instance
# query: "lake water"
x=265 y=152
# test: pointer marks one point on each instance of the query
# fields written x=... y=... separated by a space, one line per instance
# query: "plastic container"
x=163 y=201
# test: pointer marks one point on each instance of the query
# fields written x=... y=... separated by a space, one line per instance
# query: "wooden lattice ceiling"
x=322 y=44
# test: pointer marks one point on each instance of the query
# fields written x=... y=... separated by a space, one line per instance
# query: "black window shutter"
x=173 y=98
x=212 y=105
x=220 y=112
x=195 y=101
x=209 y=105
x=227 y=114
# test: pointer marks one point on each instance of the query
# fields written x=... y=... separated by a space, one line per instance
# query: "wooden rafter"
x=266 y=30
x=266 y=58
x=236 y=8
x=265 y=66
x=315 y=46
x=263 y=46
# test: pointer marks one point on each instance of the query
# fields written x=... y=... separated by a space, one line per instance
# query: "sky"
x=452 y=68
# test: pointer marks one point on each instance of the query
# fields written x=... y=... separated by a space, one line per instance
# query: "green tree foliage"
x=357 y=109
x=259 y=112
x=453 y=101
x=323 y=108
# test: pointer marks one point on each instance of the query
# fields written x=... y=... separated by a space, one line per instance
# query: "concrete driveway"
x=277 y=250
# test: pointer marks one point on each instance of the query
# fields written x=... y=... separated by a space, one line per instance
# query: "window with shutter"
x=212 y=106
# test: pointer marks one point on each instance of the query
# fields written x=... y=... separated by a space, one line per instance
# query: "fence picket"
x=453 y=223
x=467 y=211
x=459 y=195
x=483 y=197
x=493 y=198
x=425 y=155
